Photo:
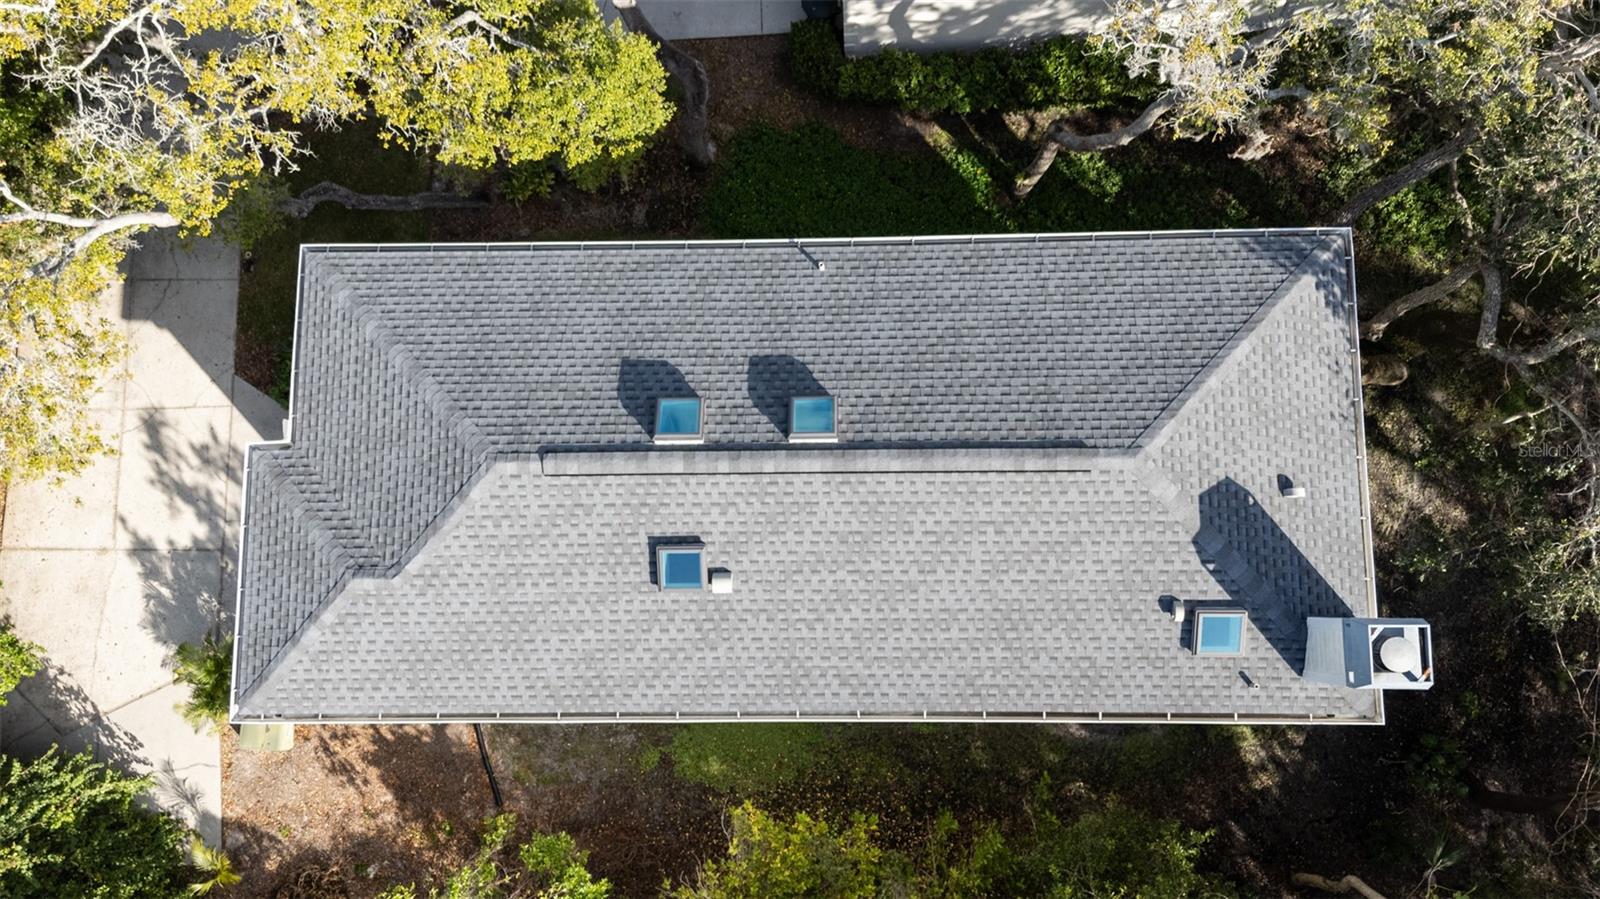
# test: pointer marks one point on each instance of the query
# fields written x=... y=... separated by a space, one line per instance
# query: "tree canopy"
x=124 y=115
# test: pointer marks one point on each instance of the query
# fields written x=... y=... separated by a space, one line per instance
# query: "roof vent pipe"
x=721 y=580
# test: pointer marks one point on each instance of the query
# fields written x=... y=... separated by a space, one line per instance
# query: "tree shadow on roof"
x=774 y=381
x=641 y=382
x=1262 y=570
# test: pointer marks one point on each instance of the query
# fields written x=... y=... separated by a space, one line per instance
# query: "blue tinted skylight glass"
x=678 y=417
x=681 y=570
x=1221 y=634
x=813 y=415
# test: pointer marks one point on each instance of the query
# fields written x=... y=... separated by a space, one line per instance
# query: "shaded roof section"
x=1029 y=431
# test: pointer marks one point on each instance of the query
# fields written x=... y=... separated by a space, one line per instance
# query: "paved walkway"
x=112 y=570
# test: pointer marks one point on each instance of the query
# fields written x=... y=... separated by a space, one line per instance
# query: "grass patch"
x=743 y=758
x=1151 y=187
x=809 y=182
x=775 y=183
x=356 y=158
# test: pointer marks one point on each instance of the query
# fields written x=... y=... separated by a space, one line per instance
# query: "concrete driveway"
x=110 y=571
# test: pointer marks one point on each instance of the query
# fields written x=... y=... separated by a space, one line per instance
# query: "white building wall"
x=932 y=25
x=687 y=19
x=929 y=25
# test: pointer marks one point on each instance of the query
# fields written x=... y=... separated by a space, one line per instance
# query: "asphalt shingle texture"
x=409 y=554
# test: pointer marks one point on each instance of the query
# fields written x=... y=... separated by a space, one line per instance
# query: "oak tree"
x=156 y=114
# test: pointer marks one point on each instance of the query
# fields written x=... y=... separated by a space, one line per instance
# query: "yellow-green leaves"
x=482 y=95
x=176 y=105
x=1471 y=60
x=55 y=350
x=1202 y=54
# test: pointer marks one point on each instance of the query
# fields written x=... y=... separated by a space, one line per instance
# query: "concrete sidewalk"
x=112 y=570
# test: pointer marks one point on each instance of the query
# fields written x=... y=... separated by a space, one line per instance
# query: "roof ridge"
x=371 y=321
x=1317 y=258
x=300 y=508
x=473 y=442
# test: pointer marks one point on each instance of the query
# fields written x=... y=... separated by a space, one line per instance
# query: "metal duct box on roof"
x=1370 y=653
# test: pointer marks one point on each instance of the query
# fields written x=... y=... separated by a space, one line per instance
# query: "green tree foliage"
x=1463 y=62
x=206 y=668
x=772 y=858
x=547 y=866
x=54 y=344
x=476 y=83
x=170 y=122
x=1061 y=71
x=19 y=660
x=1110 y=852
x=71 y=827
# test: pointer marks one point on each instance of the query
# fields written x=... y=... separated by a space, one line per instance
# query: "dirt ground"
x=639 y=826
x=350 y=811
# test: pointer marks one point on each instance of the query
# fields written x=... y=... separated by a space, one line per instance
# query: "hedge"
x=1062 y=71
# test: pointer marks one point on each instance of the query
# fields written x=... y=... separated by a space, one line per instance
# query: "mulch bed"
x=351 y=811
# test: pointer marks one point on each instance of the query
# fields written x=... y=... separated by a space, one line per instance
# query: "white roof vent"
x=1399 y=655
x=721 y=580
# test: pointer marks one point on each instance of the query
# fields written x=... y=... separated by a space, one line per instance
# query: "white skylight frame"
x=814 y=436
x=670 y=549
x=1200 y=618
x=699 y=435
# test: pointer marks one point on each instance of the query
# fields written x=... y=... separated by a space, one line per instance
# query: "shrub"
x=1112 y=852
x=1062 y=71
x=551 y=867
x=771 y=857
x=72 y=827
x=212 y=866
x=815 y=56
x=206 y=669
x=808 y=182
x=19 y=660
x=527 y=180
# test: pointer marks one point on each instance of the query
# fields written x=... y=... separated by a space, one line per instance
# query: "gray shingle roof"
x=1040 y=439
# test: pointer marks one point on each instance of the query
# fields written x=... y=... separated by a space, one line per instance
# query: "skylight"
x=1219 y=632
x=812 y=418
x=681 y=567
x=678 y=420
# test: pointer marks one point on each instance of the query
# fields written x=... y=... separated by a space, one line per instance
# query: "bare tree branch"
x=1061 y=137
x=329 y=192
x=1373 y=328
x=106 y=40
x=471 y=17
x=692 y=81
x=93 y=228
x=1411 y=173
x=1570 y=56
x=1488 y=320
x=1346 y=884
